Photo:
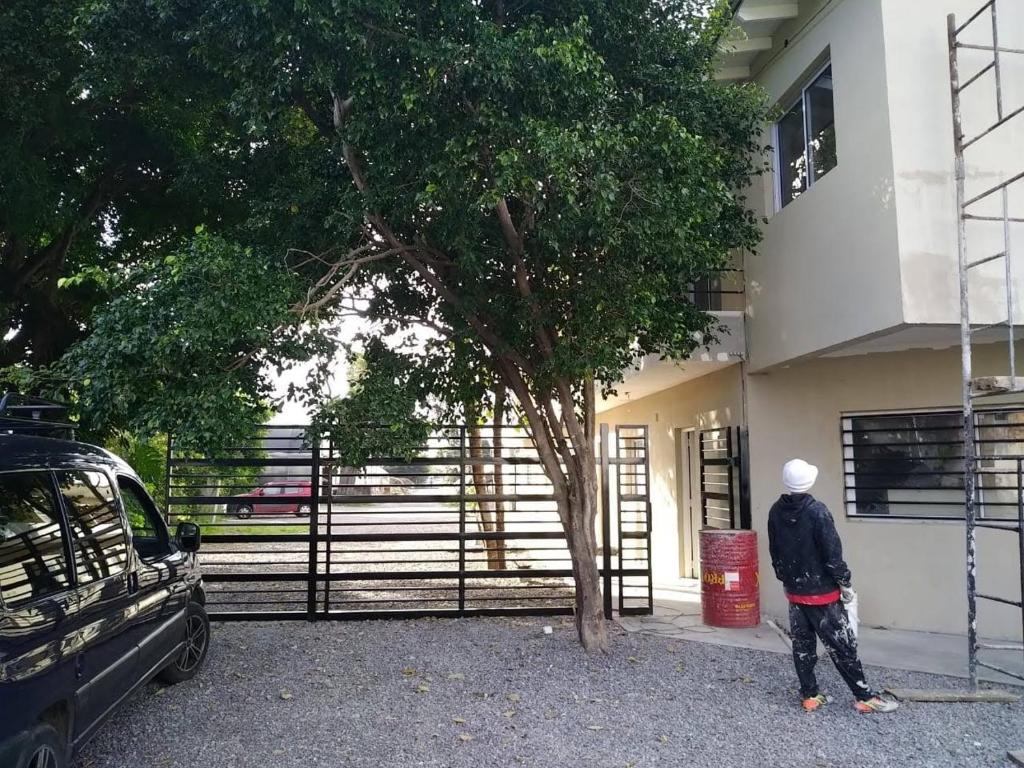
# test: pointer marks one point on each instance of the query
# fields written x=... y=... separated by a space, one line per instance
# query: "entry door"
x=688 y=502
x=724 y=494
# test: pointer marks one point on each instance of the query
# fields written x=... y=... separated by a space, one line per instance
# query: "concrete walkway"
x=677 y=614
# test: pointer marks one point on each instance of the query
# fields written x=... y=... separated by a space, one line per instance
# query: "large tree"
x=538 y=184
x=102 y=154
x=116 y=144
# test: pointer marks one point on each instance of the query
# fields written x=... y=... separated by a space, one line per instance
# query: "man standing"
x=808 y=559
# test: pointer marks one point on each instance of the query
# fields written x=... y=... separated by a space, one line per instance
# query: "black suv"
x=96 y=598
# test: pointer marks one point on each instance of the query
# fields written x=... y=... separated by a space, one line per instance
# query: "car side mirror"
x=188 y=537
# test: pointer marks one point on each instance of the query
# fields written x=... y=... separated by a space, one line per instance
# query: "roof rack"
x=27 y=415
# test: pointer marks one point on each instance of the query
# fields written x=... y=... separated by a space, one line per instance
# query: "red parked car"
x=277 y=498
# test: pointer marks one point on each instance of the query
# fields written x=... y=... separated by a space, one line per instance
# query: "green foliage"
x=598 y=123
x=147 y=457
x=113 y=141
x=537 y=183
x=117 y=144
x=378 y=418
x=186 y=350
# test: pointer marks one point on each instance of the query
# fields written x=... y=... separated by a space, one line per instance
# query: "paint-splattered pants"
x=829 y=622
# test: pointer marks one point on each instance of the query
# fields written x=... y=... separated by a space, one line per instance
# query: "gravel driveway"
x=499 y=692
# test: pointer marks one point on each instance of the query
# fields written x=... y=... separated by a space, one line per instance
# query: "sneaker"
x=875 y=704
x=815 y=702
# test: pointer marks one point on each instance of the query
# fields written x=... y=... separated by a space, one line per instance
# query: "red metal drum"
x=730 y=586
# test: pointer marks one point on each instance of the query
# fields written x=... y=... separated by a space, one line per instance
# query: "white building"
x=844 y=347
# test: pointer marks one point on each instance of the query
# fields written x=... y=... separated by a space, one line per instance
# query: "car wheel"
x=46 y=749
x=197 y=643
x=243 y=512
x=304 y=510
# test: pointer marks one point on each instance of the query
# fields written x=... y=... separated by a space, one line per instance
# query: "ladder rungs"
x=1013 y=528
x=1011 y=219
x=979 y=73
x=997 y=385
x=1006 y=601
x=982 y=328
x=1000 y=646
x=986 y=260
x=1000 y=670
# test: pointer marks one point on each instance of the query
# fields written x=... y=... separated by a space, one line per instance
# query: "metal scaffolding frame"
x=989 y=386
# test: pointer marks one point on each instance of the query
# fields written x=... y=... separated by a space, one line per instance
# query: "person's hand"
x=847 y=595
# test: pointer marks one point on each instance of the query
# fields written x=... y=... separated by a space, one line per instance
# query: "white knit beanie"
x=798 y=476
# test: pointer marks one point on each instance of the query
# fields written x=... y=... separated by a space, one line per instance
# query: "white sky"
x=296 y=413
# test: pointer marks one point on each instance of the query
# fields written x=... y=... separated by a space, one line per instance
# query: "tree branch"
x=412 y=254
x=512 y=236
x=515 y=250
x=57 y=250
x=539 y=430
x=353 y=261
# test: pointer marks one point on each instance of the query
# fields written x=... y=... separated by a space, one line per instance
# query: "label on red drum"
x=730 y=581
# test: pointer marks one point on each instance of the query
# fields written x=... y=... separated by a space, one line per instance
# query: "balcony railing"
x=721 y=294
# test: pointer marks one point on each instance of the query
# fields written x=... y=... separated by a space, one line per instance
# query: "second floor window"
x=805 y=139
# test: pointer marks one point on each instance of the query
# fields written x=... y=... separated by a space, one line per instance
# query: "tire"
x=244 y=512
x=45 y=748
x=303 y=510
x=197 y=644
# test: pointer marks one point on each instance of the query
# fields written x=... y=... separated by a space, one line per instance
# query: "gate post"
x=462 y=519
x=167 y=481
x=606 y=523
x=314 y=523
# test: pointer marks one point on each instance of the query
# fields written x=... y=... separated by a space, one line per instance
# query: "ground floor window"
x=911 y=465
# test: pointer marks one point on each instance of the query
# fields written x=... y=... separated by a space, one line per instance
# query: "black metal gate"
x=468 y=526
x=724 y=498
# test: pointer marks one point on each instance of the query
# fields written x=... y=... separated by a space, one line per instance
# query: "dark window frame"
x=982 y=439
x=66 y=546
x=71 y=539
x=802 y=100
x=163 y=535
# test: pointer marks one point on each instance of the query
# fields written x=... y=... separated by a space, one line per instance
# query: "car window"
x=272 y=490
x=293 y=490
x=101 y=547
x=149 y=535
x=32 y=559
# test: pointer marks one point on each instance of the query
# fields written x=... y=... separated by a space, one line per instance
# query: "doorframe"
x=688 y=509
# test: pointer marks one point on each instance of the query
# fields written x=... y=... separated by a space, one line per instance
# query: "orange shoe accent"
x=875 y=704
x=815 y=703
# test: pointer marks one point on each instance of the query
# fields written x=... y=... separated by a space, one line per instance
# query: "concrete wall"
x=920 y=118
x=715 y=400
x=872 y=245
x=910 y=574
x=828 y=269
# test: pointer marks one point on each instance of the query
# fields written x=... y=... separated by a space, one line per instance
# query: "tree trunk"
x=565 y=446
x=482 y=487
x=581 y=537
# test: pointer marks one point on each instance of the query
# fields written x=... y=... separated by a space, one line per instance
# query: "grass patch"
x=242 y=529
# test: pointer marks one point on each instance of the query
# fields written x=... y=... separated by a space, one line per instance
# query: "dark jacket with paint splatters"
x=806 y=551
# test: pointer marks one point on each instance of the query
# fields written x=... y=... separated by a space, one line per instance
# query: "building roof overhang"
x=756 y=23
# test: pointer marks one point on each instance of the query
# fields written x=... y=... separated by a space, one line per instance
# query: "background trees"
x=528 y=189
x=110 y=149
